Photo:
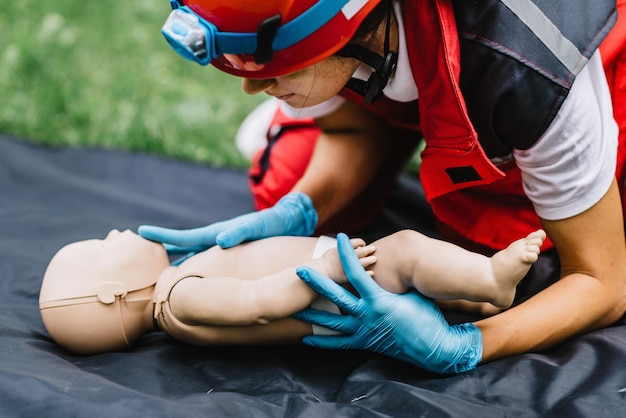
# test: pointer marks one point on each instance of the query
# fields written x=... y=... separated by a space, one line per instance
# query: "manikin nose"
x=113 y=233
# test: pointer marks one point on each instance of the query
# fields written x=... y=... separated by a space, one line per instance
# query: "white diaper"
x=324 y=243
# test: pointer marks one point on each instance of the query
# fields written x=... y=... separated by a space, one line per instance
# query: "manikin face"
x=308 y=87
x=123 y=257
x=120 y=254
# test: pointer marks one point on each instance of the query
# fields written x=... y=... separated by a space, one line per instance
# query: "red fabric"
x=290 y=157
x=613 y=51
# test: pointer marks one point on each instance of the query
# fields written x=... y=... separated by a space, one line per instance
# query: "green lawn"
x=100 y=73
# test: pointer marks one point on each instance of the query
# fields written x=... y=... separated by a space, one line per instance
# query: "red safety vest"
x=475 y=201
x=463 y=115
x=613 y=51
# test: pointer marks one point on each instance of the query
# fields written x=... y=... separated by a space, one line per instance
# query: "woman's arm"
x=347 y=155
x=591 y=293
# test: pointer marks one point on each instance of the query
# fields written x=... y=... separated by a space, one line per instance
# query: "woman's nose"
x=257 y=85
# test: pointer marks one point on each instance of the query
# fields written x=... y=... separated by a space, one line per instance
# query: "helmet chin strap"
x=372 y=89
x=383 y=66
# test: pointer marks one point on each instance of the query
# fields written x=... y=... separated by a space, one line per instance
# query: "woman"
x=512 y=101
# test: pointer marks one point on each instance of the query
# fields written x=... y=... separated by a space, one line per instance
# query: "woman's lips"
x=285 y=96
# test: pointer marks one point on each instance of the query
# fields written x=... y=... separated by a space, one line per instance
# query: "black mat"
x=49 y=197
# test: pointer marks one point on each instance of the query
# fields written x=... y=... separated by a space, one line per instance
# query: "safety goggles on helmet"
x=275 y=48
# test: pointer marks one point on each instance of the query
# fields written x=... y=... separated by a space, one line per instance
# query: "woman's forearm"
x=590 y=294
x=574 y=305
x=347 y=154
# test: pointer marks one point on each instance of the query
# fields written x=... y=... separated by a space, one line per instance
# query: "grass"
x=100 y=74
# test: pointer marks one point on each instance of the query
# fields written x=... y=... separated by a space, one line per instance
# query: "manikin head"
x=95 y=293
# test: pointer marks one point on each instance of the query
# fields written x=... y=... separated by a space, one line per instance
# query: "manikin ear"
x=109 y=291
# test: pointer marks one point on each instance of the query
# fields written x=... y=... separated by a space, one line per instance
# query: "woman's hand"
x=294 y=214
x=409 y=327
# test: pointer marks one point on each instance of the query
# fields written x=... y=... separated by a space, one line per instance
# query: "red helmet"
x=263 y=38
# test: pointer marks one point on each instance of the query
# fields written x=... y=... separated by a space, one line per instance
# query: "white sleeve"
x=572 y=165
x=317 y=111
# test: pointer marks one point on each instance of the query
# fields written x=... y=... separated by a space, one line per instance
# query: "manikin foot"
x=510 y=265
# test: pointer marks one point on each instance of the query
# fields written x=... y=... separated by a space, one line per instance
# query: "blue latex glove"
x=408 y=327
x=294 y=214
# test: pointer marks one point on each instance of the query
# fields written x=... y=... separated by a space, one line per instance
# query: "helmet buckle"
x=265 y=39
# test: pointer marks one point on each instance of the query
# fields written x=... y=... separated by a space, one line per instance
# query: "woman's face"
x=319 y=82
x=307 y=87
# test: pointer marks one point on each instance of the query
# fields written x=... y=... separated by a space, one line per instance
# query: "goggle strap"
x=286 y=35
x=307 y=23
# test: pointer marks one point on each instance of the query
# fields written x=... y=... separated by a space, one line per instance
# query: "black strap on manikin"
x=372 y=89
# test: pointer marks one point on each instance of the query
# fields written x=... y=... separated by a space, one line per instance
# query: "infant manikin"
x=102 y=295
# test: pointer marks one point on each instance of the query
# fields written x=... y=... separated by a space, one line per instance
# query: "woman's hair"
x=373 y=21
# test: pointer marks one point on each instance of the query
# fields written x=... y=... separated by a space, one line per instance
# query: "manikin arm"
x=229 y=294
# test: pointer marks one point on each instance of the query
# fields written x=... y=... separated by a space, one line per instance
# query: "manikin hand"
x=294 y=214
x=409 y=327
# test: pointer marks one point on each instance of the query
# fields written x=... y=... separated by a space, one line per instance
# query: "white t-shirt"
x=572 y=164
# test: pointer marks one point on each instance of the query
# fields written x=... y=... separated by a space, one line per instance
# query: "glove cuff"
x=473 y=355
x=303 y=213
